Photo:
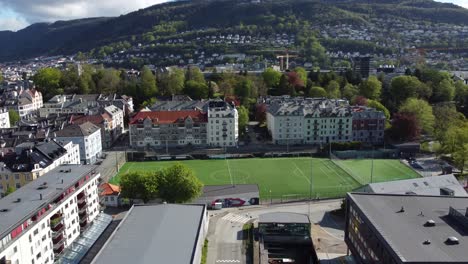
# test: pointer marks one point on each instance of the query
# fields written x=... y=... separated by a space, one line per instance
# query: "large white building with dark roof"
x=87 y=136
x=40 y=220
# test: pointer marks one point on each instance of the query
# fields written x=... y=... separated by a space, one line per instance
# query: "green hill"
x=189 y=18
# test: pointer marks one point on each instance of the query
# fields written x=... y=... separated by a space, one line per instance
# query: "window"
x=15 y=249
x=36 y=232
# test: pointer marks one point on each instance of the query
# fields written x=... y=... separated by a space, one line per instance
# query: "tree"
x=271 y=77
x=139 y=185
x=176 y=81
x=302 y=74
x=108 y=80
x=444 y=91
x=333 y=89
x=148 y=83
x=243 y=113
x=446 y=116
x=196 y=90
x=14 y=117
x=317 y=92
x=404 y=87
x=350 y=91
x=461 y=93
x=370 y=88
x=10 y=190
x=48 y=81
x=315 y=52
x=422 y=111
x=405 y=127
x=456 y=143
x=377 y=105
x=360 y=100
x=194 y=74
x=178 y=184
x=1 y=77
x=243 y=89
x=284 y=87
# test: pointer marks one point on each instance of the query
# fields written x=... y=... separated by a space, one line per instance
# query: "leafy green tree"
x=313 y=51
x=10 y=190
x=333 y=89
x=48 y=82
x=444 y=91
x=196 y=90
x=456 y=144
x=178 y=184
x=194 y=74
x=446 y=116
x=404 y=87
x=317 y=91
x=243 y=113
x=377 y=105
x=243 y=90
x=139 y=185
x=108 y=80
x=284 y=87
x=148 y=83
x=14 y=117
x=461 y=93
x=176 y=81
x=302 y=74
x=271 y=77
x=422 y=111
x=350 y=91
x=371 y=88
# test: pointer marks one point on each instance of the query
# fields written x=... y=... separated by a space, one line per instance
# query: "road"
x=225 y=232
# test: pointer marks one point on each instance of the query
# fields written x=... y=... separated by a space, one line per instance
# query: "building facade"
x=168 y=128
x=31 y=161
x=308 y=120
x=368 y=125
x=87 y=136
x=223 y=125
x=401 y=228
x=4 y=118
x=29 y=102
x=42 y=219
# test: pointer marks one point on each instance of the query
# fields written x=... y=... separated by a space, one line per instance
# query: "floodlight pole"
x=310 y=181
x=372 y=166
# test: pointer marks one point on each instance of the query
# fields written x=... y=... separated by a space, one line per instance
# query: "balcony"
x=58 y=228
x=59 y=244
x=83 y=212
x=82 y=204
x=83 y=220
x=54 y=223
x=59 y=250
x=81 y=197
x=58 y=239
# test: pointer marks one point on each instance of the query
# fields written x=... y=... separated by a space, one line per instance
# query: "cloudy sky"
x=17 y=14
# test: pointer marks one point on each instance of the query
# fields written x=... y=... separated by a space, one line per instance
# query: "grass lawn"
x=285 y=177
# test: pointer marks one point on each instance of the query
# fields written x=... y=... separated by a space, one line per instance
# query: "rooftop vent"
x=17 y=200
x=4 y=210
x=452 y=241
x=426 y=242
x=429 y=223
x=402 y=210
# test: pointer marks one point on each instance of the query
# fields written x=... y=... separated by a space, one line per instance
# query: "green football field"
x=283 y=178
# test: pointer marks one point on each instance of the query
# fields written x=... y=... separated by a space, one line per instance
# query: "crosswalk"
x=236 y=218
x=227 y=261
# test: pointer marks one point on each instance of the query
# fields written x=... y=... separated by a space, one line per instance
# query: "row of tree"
x=174 y=184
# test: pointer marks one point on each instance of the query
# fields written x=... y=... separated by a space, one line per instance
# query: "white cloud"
x=34 y=11
x=12 y=23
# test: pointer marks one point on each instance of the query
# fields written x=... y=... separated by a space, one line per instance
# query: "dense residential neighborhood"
x=250 y=131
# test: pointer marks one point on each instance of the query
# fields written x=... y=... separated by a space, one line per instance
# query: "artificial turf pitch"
x=286 y=177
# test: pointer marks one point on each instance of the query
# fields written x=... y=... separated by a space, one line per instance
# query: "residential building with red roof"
x=109 y=194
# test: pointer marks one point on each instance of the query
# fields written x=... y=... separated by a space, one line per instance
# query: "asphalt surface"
x=225 y=232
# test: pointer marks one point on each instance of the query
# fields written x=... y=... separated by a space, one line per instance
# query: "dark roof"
x=169 y=117
x=166 y=233
x=29 y=195
x=75 y=130
x=223 y=190
x=285 y=218
x=405 y=232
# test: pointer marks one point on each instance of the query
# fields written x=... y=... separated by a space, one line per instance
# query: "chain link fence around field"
x=274 y=198
x=111 y=164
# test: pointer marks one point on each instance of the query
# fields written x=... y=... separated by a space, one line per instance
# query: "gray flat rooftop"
x=285 y=218
x=421 y=186
x=29 y=195
x=165 y=233
x=405 y=232
x=223 y=190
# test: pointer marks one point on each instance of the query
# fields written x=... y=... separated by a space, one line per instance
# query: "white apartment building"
x=223 y=125
x=87 y=136
x=116 y=125
x=4 y=118
x=31 y=161
x=309 y=121
x=29 y=102
x=44 y=217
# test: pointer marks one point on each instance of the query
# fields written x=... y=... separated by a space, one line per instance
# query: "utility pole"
x=372 y=166
x=310 y=181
